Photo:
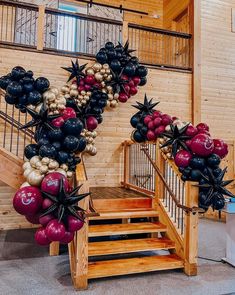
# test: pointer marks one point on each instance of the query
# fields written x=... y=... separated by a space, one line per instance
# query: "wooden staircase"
x=143 y=250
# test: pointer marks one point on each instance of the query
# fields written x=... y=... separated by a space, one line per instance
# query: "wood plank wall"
x=217 y=64
x=172 y=89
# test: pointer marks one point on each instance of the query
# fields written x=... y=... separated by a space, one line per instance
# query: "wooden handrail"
x=178 y=204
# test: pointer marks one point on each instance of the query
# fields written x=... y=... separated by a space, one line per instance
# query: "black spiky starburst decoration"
x=40 y=120
x=75 y=71
x=215 y=185
x=125 y=49
x=176 y=139
x=146 y=108
x=118 y=82
x=65 y=203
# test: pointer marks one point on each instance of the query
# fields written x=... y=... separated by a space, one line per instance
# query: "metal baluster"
x=182 y=212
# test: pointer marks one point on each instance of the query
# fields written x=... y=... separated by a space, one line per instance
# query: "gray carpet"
x=26 y=269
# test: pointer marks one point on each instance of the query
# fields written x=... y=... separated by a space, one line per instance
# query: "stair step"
x=124 y=229
x=125 y=214
x=129 y=246
x=118 y=267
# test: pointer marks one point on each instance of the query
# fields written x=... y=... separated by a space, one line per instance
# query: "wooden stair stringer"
x=11 y=171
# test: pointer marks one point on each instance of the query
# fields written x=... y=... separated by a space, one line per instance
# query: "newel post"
x=40 y=27
x=191 y=230
x=160 y=162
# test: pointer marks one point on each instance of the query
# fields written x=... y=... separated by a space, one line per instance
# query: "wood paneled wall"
x=172 y=89
x=218 y=70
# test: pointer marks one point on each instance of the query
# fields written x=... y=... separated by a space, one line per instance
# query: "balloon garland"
x=195 y=153
x=65 y=121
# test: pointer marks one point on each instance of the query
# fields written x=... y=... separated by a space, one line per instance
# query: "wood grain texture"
x=128 y=246
x=124 y=229
x=133 y=265
x=125 y=214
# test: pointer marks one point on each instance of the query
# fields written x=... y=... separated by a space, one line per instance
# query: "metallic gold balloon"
x=35 y=178
x=90 y=71
x=97 y=66
x=98 y=77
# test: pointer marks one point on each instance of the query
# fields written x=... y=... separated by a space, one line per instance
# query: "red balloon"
x=68 y=113
x=41 y=237
x=46 y=203
x=133 y=90
x=81 y=82
x=151 y=125
x=202 y=126
x=191 y=131
x=97 y=85
x=136 y=80
x=90 y=79
x=159 y=130
x=50 y=183
x=166 y=119
x=68 y=237
x=74 y=224
x=220 y=148
x=147 y=119
x=91 y=123
x=157 y=114
x=182 y=158
x=87 y=87
x=28 y=200
x=81 y=88
x=125 y=77
x=58 y=122
x=34 y=219
x=122 y=97
x=131 y=83
x=188 y=143
x=127 y=88
x=157 y=121
x=202 y=145
x=44 y=220
x=55 y=230
x=151 y=135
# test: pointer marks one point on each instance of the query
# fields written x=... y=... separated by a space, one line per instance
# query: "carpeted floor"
x=26 y=269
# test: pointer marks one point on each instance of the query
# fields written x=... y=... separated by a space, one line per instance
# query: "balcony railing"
x=48 y=29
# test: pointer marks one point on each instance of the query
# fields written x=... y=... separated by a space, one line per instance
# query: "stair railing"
x=176 y=201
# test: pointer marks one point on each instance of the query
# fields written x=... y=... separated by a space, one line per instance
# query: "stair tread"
x=129 y=246
x=125 y=214
x=117 y=267
x=122 y=229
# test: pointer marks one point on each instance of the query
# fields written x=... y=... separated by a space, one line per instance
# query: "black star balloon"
x=118 y=82
x=215 y=185
x=126 y=49
x=65 y=203
x=176 y=139
x=41 y=120
x=75 y=71
x=146 y=108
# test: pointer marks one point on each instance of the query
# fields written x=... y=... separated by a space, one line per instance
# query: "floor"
x=26 y=269
x=115 y=193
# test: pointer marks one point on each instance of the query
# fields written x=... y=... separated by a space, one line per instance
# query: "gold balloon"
x=54 y=90
x=27 y=171
x=98 y=77
x=106 y=66
x=93 y=151
x=24 y=184
x=53 y=165
x=26 y=165
x=113 y=103
x=45 y=161
x=74 y=93
x=110 y=96
x=116 y=95
x=61 y=171
x=43 y=169
x=35 y=178
x=90 y=71
x=64 y=167
x=69 y=174
x=97 y=66
x=34 y=160
x=102 y=71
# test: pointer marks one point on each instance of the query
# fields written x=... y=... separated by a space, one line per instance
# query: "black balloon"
x=14 y=88
x=195 y=175
x=73 y=126
x=115 y=65
x=217 y=172
x=71 y=143
x=82 y=144
x=218 y=201
x=138 y=137
x=141 y=71
x=109 y=45
x=23 y=100
x=102 y=103
x=17 y=73
x=28 y=87
x=4 y=81
x=143 y=81
x=29 y=74
x=99 y=119
x=198 y=163
x=62 y=157
x=134 y=121
x=129 y=70
x=213 y=161
x=48 y=150
x=57 y=145
x=143 y=130
x=111 y=54
x=55 y=134
x=31 y=150
x=43 y=141
x=102 y=57
x=10 y=99
x=42 y=84
x=34 y=97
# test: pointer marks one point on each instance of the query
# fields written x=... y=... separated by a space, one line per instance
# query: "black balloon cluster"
x=22 y=89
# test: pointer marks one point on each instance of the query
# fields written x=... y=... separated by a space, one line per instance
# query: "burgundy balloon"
x=122 y=97
x=55 y=230
x=58 y=122
x=90 y=79
x=202 y=126
x=41 y=237
x=157 y=114
x=220 y=148
x=68 y=113
x=157 y=122
x=91 y=123
x=182 y=158
x=191 y=131
x=34 y=219
x=166 y=119
x=202 y=145
x=28 y=200
x=74 y=224
x=136 y=80
x=46 y=203
x=68 y=237
x=44 y=220
x=133 y=90
x=50 y=183
x=147 y=119
x=151 y=135
x=159 y=130
x=151 y=125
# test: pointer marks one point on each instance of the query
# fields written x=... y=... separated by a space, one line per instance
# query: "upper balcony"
x=55 y=31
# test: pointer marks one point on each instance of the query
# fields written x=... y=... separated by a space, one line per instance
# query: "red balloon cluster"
x=30 y=201
x=156 y=124
x=130 y=88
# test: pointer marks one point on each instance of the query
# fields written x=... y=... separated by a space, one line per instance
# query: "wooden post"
x=195 y=18
x=125 y=33
x=191 y=230
x=54 y=249
x=40 y=29
x=126 y=150
x=159 y=192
